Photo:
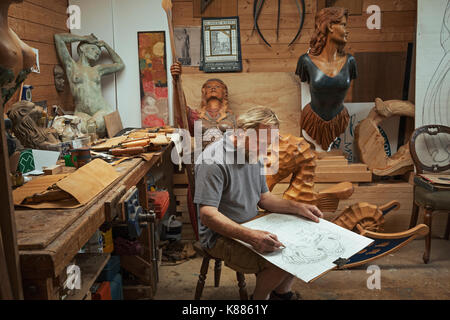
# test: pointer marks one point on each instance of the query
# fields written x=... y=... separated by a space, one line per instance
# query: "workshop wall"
x=35 y=22
x=398 y=27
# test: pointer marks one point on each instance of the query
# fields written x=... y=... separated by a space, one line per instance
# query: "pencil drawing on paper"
x=311 y=246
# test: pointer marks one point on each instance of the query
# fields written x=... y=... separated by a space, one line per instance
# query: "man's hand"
x=264 y=241
x=175 y=70
x=308 y=211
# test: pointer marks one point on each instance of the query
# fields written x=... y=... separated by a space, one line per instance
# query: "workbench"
x=49 y=240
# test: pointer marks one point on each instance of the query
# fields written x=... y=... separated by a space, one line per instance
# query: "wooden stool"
x=217 y=270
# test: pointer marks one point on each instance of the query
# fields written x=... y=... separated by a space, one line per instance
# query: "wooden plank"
x=5 y=285
x=37 y=14
x=389 y=5
x=59 y=6
x=91 y=265
x=32 y=31
x=7 y=219
x=325 y=162
x=348 y=168
x=180 y=178
x=138 y=267
x=355 y=35
x=217 y=8
x=271 y=7
x=113 y=123
x=276 y=90
x=356 y=176
x=373 y=81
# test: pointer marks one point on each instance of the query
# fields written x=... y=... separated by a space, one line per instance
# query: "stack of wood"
x=333 y=167
x=180 y=190
x=136 y=142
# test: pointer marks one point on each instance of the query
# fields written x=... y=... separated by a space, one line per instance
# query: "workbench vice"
x=135 y=214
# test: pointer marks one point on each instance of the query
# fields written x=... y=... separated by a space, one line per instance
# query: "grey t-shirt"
x=234 y=189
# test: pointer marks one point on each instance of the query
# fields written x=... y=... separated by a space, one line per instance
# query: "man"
x=227 y=194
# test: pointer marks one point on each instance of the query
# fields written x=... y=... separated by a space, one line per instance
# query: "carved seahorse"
x=296 y=156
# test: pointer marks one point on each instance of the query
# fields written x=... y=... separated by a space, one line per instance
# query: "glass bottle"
x=68 y=134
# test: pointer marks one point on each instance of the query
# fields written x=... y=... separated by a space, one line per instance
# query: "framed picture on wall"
x=221 y=45
x=153 y=79
x=187 y=45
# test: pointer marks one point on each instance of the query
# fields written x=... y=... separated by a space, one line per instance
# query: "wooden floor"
x=403 y=276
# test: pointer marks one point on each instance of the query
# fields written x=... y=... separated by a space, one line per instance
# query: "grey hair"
x=257 y=116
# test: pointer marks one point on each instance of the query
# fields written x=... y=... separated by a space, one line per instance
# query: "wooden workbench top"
x=49 y=239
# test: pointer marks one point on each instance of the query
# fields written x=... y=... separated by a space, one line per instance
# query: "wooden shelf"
x=91 y=264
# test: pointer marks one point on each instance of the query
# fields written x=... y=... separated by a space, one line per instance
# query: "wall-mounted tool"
x=205 y=4
x=257 y=6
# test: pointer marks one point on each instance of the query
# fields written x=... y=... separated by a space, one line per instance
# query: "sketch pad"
x=311 y=247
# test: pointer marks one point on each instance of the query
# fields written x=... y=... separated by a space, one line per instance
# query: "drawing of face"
x=312 y=247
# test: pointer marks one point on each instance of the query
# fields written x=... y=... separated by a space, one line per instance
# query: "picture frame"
x=220 y=45
x=153 y=78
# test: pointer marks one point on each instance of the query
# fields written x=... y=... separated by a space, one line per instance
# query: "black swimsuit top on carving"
x=327 y=93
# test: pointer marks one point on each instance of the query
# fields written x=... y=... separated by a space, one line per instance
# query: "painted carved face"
x=213 y=89
x=338 y=31
x=92 y=52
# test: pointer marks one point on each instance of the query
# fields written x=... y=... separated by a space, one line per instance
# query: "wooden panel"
x=398 y=28
x=353 y=6
x=36 y=22
x=113 y=123
x=217 y=8
x=278 y=91
x=59 y=6
x=373 y=81
x=39 y=15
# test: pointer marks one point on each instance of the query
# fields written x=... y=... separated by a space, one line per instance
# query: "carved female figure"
x=16 y=57
x=214 y=111
x=329 y=72
x=84 y=79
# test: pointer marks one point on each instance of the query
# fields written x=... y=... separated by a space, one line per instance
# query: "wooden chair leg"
x=447 y=230
x=202 y=278
x=217 y=271
x=242 y=286
x=428 y=222
x=414 y=215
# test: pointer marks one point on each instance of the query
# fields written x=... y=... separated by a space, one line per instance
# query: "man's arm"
x=262 y=241
x=273 y=203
